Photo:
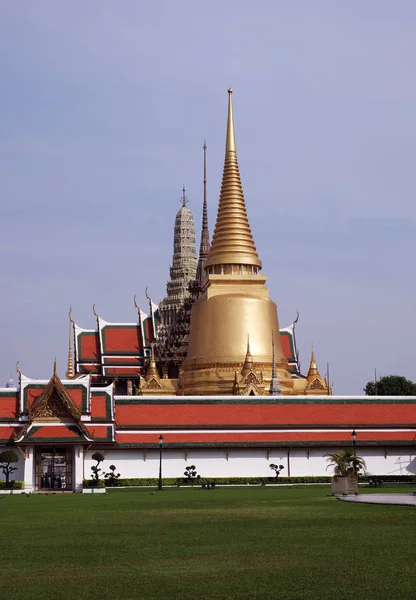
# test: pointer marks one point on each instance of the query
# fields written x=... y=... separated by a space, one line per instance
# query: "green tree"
x=391 y=385
x=7 y=458
x=345 y=462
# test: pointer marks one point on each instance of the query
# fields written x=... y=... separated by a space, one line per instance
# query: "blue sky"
x=103 y=112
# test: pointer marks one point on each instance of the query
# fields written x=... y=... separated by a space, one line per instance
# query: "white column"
x=29 y=474
x=78 y=468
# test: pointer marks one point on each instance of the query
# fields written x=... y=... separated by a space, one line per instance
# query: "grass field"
x=263 y=543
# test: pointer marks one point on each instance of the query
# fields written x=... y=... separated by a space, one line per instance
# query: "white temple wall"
x=246 y=462
x=389 y=461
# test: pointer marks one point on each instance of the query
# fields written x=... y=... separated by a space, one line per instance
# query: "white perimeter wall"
x=247 y=462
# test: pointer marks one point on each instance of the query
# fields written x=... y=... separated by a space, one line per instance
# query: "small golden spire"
x=70 y=367
x=55 y=374
x=248 y=362
x=232 y=243
x=313 y=369
x=152 y=368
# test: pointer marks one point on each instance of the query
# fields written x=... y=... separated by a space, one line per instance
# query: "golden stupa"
x=234 y=304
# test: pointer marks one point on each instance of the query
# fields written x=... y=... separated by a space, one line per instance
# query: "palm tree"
x=345 y=462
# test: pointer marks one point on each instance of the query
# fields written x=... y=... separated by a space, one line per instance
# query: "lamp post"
x=161 y=440
x=354 y=439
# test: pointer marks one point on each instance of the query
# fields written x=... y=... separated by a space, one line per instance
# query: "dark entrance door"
x=54 y=468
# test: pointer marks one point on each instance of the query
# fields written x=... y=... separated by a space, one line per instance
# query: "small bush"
x=92 y=483
x=14 y=485
x=111 y=478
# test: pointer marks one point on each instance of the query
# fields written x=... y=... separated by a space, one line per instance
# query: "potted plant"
x=346 y=466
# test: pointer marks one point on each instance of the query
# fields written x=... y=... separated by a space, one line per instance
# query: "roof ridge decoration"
x=232 y=242
x=19 y=372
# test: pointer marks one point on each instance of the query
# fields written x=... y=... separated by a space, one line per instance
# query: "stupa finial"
x=232 y=243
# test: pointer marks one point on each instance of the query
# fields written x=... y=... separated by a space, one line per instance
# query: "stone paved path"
x=398 y=499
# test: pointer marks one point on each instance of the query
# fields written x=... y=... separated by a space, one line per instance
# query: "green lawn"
x=262 y=543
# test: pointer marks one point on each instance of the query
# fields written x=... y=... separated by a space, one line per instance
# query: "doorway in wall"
x=54 y=468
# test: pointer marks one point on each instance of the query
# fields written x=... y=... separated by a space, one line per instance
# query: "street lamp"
x=161 y=440
x=354 y=439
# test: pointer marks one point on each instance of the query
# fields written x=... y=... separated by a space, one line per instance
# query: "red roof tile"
x=264 y=414
x=122 y=339
x=8 y=405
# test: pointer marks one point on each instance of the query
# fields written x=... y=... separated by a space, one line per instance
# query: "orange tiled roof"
x=268 y=413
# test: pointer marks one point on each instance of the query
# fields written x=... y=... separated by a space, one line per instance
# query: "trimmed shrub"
x=14 y=485
x=180 y=481
x=92 y=483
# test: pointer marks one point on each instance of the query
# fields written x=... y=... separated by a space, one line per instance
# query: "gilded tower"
x=234 y=302
x=183 y=269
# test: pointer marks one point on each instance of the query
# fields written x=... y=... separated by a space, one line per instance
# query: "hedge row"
x=180 y=481
x=13 y=485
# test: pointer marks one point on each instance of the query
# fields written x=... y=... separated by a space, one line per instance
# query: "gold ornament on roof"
x=313 y=368
x=232 y=243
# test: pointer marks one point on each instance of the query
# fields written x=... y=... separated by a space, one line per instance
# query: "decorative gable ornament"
x=54 y=404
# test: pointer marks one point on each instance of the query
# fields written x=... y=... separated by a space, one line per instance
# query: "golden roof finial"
x=248 y=362
x=55 y=374
x=313 y=369
x=70 y=367
x=232 y=243
x=152 y=368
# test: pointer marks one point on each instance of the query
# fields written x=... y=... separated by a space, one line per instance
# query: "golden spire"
x=232 y=243
x=313 y=369
x=152 y=368
x=248 y=362
x=70 y=367
x=55 y=374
